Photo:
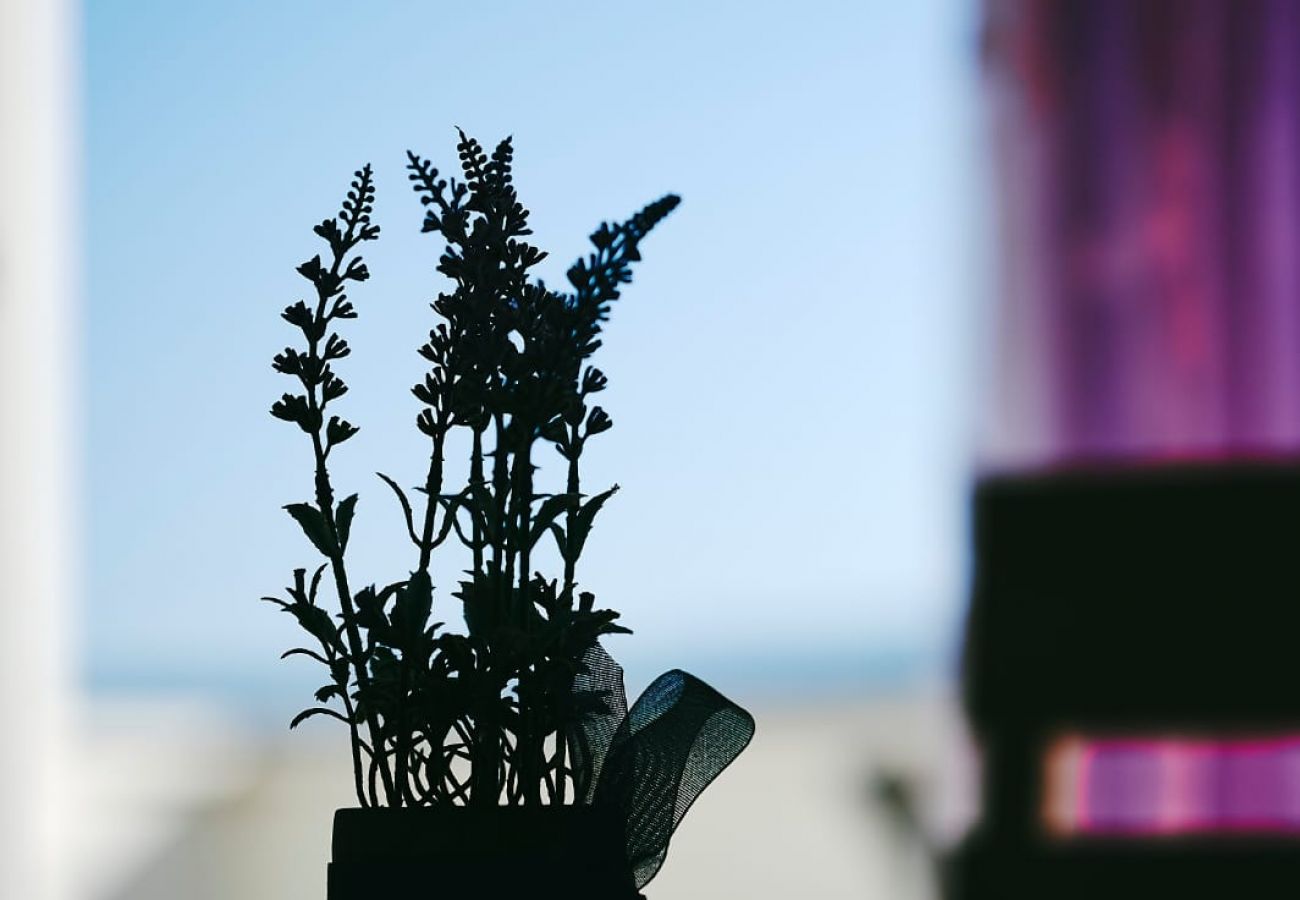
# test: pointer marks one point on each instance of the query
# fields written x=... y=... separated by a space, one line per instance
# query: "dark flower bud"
x=555 y=431
x=289 y=362
x=593 y=380
x=335 y=347
x=339 y=430
x=311 y=269
x=602 y=237
x=294 y=408
x=425 y=422
x=297 y=314
x=597 y=421
x=357 y=270
x=574 y=412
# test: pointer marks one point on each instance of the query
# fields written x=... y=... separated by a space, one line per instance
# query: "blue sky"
x=790 y=371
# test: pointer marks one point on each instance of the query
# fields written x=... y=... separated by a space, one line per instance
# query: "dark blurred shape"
x=894 y=794
x=1129 y=597
x=1135 y=601
x=1127 y=603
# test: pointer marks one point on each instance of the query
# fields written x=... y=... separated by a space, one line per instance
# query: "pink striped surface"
x=1173 y=785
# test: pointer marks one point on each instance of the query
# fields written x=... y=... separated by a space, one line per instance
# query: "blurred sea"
x=268 y=694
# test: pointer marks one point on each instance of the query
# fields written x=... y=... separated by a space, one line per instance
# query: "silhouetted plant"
x=482 y=715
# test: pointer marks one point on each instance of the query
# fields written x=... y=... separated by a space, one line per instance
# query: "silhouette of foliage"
x=479 y=715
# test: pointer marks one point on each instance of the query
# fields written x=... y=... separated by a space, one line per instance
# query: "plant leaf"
x=317 y=622
x=406 y=507
x=343 y=520
x=370 y=609
x=411 y=608
x=313 y=525
x=316 y=711
x=551 y=507
x=303 y=651
x=582 y=521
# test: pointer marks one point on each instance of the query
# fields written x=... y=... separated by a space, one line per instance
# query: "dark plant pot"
x=519 y=853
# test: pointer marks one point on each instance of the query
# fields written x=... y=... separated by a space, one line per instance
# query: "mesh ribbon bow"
x=650 y=762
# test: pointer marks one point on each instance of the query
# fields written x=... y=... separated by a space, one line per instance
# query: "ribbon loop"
x=653 y=761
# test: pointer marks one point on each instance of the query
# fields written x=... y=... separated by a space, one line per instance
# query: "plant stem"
x=476 y=482
x=500 y=489
x=561 y=742
x=325 y=501
x=358 y=771
x=573 y=487
x=532 y=752
x=432 y=488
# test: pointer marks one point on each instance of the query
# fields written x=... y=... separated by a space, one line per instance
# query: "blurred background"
x=918 y=242
x=791 y=381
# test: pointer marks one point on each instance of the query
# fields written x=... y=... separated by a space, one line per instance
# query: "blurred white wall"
x=38 y=174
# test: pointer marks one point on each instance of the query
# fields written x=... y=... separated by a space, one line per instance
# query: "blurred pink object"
x=1148 y=155
x=1173 y=786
